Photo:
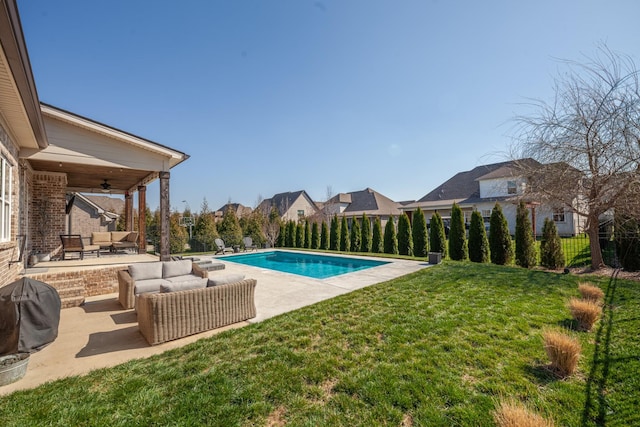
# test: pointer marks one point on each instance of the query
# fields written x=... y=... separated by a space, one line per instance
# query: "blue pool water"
x=310 y=265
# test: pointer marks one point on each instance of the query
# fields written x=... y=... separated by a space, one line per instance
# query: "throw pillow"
x=146 y=270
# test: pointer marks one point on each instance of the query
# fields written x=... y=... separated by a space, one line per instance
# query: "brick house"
x=87 y=213
x=47 y=153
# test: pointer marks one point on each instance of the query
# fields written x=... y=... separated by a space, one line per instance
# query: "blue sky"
x=269 y=96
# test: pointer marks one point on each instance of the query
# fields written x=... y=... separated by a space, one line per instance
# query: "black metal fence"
x=577 y=250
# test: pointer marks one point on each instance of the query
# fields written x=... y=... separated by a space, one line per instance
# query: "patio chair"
x=248 y=244
x=221 y=247
x=74 y=243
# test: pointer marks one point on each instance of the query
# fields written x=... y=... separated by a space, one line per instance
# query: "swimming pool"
x=310 y=265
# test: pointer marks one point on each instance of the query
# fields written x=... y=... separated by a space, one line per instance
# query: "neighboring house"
x=239 y=209
x=89 y=213
x=355 y=204
x=47 y=153
x=480 y=188
x=292 y=206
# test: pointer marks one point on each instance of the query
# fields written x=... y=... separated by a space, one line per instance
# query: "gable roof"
x=465 y=185
x=240 y=209
x=367 y=200
x=113 y=205
x=283 y=201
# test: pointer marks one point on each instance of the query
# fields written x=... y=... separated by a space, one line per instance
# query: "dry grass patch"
x=586 y=313
x=276 y=418
x=591 y=292
x=515 y=414
x=563 y=351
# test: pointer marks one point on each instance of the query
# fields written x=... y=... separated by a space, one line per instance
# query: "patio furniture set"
x=174 y=299
x=111 y=240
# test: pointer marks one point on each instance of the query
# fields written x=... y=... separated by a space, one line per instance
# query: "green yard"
x=438 y=347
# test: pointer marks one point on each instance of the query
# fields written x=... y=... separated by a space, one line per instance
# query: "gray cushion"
x=183 y=286
x=146 y=270
x=176 y=268
x=148 y=285
x=225 y=280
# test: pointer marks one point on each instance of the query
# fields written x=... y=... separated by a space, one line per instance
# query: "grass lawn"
x=439 y=347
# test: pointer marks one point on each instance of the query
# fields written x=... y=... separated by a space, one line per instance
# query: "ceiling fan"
x=105 y=186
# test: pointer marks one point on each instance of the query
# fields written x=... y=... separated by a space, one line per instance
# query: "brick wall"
x=9 y=250
x=47 y=211
x=84 y=219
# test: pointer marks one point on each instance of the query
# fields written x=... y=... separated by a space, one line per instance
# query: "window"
x=558 y=215
x=512 y=188
x=300 y=213
x=486 y=214
x=5 y=200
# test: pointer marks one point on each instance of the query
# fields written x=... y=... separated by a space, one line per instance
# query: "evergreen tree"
x=229 y=228
x=478 y=242
x=355 y=235
x=334 y=236
x=315 y=236
x=324 y=236
x=177 y=234
x=300 y=235
x=253 y=225
x=365 y=233
x=551 y=255
x=419 y=234
x=627 y=239
x=525 y=243
x=282 y=236
x=500 y=244
x=291 y=234
x=376 y=237
x=390 y=243
x=345 y=243
x=405 y=240
x=307 y=234
x=437 y=238
x=457 y=235
x=205 y=232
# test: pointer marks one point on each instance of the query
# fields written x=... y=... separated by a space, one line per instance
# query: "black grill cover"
x=29 y=316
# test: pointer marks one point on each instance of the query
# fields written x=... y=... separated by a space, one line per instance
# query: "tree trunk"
x=594 y=243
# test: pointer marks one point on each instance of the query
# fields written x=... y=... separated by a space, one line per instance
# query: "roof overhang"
x=90 y=153
x=19 y=105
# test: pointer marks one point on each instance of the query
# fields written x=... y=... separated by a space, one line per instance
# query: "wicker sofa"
x=171 y=315
x=151 y=276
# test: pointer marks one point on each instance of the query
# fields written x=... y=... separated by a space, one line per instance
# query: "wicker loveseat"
x=151 y=276
x=172 y=315
x=115 y=240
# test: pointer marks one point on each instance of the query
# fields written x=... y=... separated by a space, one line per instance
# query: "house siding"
x=301 y=203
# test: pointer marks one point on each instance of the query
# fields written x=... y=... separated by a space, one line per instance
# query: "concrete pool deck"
x=101 y=334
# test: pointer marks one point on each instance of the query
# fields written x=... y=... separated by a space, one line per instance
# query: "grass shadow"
x=600 y=364
x=541 y=374
x=570 y=324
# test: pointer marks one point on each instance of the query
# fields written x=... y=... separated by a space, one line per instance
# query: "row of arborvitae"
x=563 y=352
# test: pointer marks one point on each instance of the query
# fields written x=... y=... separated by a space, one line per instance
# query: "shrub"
x=324 y=236
x=291 y=234
x=334 y=236
x=405 y=242
x=478 y=242
x=315 y=236
x=390 y=242
x=514 y=414
x=376 y=237
x=628 y=242
x=563 y=352
x=457 y=235
x=419 y=234
x=591 y=293
x=500 y=247
x=437 y=238
x=586 y=313
x=365 y=234
x=307 y=234
x=345 y=243
x=355 y=235
x=300 y=235
x=525 y=244
x=551 y=255
x=229 y=228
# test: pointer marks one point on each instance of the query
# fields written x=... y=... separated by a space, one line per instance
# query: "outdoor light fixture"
x=105 y=186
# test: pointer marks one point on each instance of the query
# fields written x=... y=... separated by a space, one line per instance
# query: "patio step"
x=71 y=291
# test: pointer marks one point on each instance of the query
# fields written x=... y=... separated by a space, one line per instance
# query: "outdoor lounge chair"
x=248 y=244
x=74 y=243
x=221 y=247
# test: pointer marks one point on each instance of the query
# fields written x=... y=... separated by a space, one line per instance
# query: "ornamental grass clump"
x=563 y=352
x=591 y=292
x=586 y=313
x=514 y=414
